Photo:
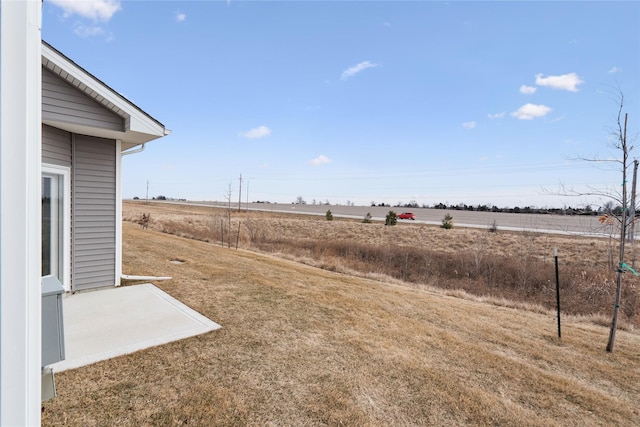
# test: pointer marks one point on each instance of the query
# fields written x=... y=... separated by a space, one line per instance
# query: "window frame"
x=63 y=174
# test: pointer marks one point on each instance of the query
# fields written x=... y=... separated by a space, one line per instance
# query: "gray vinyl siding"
x=56 y=146
x=64 y=103
x=94 y=212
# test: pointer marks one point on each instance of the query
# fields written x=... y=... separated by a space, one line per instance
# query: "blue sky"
x=453 y=102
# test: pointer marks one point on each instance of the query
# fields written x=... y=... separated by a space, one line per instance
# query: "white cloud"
x=88 y=31
x=320 y=160
x=255 y=133
x=352 y=71
x=101 y=10
x=527 y=90
x=496 y=115
x=614 y=70
x=531 y=111
x=564 y=82
x=469 y=125
x=180 y=17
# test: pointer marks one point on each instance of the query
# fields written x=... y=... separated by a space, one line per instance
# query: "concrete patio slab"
x=110 y=322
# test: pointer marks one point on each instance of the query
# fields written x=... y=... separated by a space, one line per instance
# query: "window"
x=55 y=223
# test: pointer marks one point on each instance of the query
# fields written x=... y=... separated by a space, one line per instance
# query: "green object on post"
x=625 y=266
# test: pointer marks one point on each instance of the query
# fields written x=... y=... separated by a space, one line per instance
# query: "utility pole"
x=632 y=204
x=240 y=194
x=147 y=198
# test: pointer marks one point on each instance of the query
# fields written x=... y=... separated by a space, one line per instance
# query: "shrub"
x=447 y=222
x=493 y=228
x=391 y=218
x=329 y=215
x=367 y=218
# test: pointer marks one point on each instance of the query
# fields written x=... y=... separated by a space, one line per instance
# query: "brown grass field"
x=308 y=346
x=506 y=267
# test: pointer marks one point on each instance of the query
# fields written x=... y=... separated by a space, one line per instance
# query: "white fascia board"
x=139 y=122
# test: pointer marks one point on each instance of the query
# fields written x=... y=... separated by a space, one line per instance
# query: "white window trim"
x=65 y=172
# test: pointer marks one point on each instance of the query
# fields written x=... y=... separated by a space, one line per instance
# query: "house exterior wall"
x=56 y=146
x=93 y=164
x=93 y=207
x=63 y=102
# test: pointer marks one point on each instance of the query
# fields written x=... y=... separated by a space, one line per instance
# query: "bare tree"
x=240 y=194
x=616 y=211
x=620 y=143
x=227 y=197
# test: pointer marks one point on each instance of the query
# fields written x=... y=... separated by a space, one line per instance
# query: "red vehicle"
x=407 y=215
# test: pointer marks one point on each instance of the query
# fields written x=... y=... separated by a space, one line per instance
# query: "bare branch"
x=608 y=193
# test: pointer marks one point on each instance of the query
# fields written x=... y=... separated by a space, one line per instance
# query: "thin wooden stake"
x=555 y=251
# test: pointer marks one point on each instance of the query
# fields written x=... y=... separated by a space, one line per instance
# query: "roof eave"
x=139 y=128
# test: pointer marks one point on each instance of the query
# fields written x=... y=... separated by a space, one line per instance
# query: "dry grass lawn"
x=301 y=346
x=516 y=267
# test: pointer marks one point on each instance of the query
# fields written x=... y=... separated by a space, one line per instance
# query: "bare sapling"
x=227 y=197
x=617 y=211
x=621 y=144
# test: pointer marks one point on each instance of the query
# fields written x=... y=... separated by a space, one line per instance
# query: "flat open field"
x=569 y=224
x=306 y=346
x=303 y=346
x=308 y=221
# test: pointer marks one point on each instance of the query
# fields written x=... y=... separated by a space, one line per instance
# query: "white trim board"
x=20 y=207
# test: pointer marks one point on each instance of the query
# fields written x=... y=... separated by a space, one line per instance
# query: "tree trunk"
x=623 y=235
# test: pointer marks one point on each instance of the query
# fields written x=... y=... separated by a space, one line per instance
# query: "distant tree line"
x=587 y=210
x=567 y=210
x=162 y=198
